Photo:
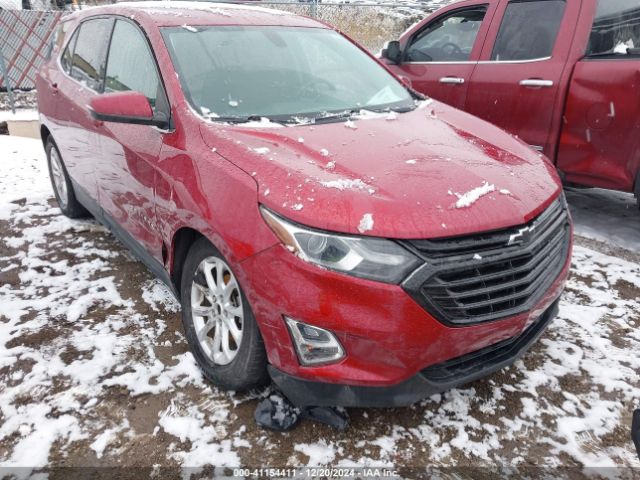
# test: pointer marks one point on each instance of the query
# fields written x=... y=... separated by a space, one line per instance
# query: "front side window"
x=528 y=30
x=616 y=28
x=61 y=34
x=57 y=39
x=67 y=55
x=130 y=65
x=450 y=38
x=278 y=72
x=87 y=65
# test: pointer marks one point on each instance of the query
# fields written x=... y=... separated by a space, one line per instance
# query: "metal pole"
x=7 y=82
x=314 y=8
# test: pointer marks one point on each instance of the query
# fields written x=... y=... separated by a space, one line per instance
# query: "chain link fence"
x=24 y=41
x=24 y=34
x=369 y=24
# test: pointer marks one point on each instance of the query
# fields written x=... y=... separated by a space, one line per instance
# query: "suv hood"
x=434 y=172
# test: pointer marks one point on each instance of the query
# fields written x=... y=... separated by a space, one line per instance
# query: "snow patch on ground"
x=23 y=173
x=205 y=429
x=159 y=297
x=320 y=453
x=80 y=341
x=21 y=115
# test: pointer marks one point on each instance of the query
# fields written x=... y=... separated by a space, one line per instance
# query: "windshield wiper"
x=410 y=108
x=335 y=117
x=238 y=119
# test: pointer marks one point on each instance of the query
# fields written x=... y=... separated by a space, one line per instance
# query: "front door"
x=439 y=57
x=520 y=80
x=126 y=169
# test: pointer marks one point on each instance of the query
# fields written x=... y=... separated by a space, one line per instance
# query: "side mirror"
x=125 y=107
x=392 y=52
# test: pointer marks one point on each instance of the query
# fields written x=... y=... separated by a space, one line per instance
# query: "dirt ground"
x=95 y=373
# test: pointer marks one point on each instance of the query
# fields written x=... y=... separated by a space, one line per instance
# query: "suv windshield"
x=281 y=73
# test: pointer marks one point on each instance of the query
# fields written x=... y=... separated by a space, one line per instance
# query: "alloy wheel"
x=216 y=310
x=59 y=180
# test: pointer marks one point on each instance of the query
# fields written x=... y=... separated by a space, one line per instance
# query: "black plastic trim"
x=533 y=266
x=153 y=121
x=121 y=234
x=434 y=379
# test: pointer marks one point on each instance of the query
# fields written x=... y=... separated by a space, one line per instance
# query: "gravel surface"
x=95 y=371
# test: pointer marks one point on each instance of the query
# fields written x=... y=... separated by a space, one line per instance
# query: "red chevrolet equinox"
x=322 y=224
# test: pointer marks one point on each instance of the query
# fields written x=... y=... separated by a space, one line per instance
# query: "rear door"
x=82 y=64
x=440 y=54
x=600 y=142
x=519 y=82
x=126 y=167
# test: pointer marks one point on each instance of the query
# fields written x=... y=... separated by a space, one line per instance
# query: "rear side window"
x=528 y=30
x=88 y=61
x=616 y=28
x=130 y=65
x=449 y=38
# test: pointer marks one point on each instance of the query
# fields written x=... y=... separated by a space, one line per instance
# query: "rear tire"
x=61 y=183
x=223 y=333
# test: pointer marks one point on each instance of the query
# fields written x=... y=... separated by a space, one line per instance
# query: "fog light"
x=314 y=345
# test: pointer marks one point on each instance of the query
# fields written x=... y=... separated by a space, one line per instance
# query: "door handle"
x=536 y=82
x=54 y=87
x=452 y=80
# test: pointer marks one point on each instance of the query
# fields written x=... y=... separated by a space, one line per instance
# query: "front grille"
x=482 y=278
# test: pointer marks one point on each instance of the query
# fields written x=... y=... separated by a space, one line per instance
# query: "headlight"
x=366 y=257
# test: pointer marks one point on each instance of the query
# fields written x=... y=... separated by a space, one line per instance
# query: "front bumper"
x=434 y=379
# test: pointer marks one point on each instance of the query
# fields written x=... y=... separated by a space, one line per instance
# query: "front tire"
x=637 y=190
x=61 y=183
x=218 y=322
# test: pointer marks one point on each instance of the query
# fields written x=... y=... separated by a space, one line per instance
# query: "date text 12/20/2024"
x=315 y=472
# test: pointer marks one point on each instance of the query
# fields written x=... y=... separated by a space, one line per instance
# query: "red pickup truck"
x=562 y=75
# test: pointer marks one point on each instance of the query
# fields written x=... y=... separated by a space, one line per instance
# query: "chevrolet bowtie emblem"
x=523 y=236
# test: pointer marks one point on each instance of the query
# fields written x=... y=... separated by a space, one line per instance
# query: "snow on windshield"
x=279 y=73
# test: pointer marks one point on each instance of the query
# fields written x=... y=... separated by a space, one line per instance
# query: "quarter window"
x=616 y=28
x=89 y=54
x=528 y=30
x=130 y=65
x=449 y=38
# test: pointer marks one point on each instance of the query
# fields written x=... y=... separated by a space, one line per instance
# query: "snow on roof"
x=205 y=6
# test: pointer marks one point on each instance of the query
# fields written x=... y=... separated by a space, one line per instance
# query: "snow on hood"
x=431 y=173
